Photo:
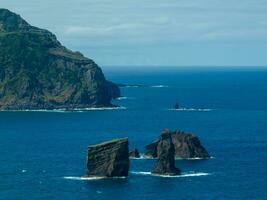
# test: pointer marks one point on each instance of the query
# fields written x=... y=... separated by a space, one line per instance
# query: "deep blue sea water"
x=39 y=149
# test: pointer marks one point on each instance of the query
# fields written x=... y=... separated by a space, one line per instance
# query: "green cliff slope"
x=37 y=72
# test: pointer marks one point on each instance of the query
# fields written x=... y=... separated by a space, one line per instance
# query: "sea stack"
x=108 y=159
x=186 y=146
x=134 y=154
x=166 y=154
x=38 y=72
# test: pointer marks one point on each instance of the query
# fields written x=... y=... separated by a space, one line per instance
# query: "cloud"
x=101 y=30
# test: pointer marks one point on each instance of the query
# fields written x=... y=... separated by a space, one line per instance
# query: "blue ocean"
x=43 y=154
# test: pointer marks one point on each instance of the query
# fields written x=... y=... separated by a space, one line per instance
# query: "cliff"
x=37 y=72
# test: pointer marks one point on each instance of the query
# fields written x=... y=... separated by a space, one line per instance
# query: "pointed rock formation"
x=186 y=145
x=134 y=154
x=166 y=160
x=108 y=159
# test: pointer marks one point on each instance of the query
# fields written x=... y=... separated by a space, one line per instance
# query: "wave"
x=193 y=109
x=67 y=110
x=83 y=178
x=187 y=174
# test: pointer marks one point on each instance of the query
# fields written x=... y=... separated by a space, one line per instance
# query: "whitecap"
x=23 y=171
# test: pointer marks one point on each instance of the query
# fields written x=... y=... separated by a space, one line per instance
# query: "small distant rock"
x=186 y=146
x=177 y=106
x=108 y=159
x=166 y=156
x=134 y=154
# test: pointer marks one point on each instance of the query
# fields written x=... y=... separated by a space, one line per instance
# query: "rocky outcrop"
x=37 y=72
x=134 y=154
x=186 y=145
x=151 y=150
x=108 y=159
x=166 y=154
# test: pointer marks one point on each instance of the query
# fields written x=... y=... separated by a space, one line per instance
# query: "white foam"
x=143 y=157
x=193 y=109
x=66 y=110
x=188 y=174
x=23 y=171
x=132 y=86
x=142 y=173
x=159 y=86
x=122 y=98
x=78 y=178
x=196 y=158
x=83 y=178
x=99 y=109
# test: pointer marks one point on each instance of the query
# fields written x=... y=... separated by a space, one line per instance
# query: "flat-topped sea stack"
x=186 y=146
x=37 y=72
x=166 y=156
x=108 y=159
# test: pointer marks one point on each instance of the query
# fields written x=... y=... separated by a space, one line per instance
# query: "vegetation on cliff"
x=37 y=72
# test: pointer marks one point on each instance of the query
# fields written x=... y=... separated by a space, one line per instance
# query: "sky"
x=155 y=32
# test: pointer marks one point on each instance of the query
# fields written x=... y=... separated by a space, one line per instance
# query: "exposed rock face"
x=151 y=150
x=166 y=154
x=37 y=72
x=186 y=146
x=108 y=159
x=134 y=154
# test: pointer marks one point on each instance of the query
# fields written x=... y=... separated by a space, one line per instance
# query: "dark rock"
x=108 y=159
x=166 y=156
x=134 y=154
x=186 y=145
x=151 y=150
x=37 y=72
x=177 y=106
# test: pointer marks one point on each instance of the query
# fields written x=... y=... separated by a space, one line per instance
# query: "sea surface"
x=42 y=154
